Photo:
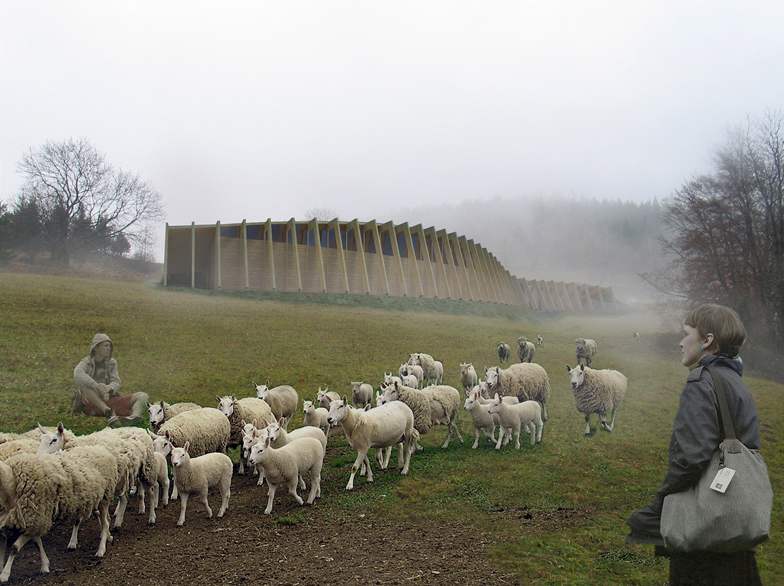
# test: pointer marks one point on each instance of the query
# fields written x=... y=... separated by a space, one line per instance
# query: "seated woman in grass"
x=97 y=387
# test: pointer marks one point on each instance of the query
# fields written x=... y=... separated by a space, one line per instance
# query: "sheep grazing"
x=527 y=382
x=504 y=352
x=283 y=400
x=315 y=416
x=597 y=391
x=162 y=412
x=525 y=350
x=361 y=394
x=585 y=350
x=325 y=397
x=513 y=418
x=239 y=410
x=385 y=426
x=430 y=370
x=539 y=340
x=468 y=377
x=484 y=422
x=196 y=476
x=287 y=465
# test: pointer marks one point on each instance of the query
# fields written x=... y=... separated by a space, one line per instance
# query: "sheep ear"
x=166 y=435
x=582 y=367
x=568 y=368
x=218 y=399
x=496 y=397
x=151 y=434
x=281 y=421
x=60 y=428
x=41 y=428
x=161 y=404
x=186 y=446
x=256 y=423
x=242 y=423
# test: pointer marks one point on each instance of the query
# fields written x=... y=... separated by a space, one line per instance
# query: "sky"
x=237 y=110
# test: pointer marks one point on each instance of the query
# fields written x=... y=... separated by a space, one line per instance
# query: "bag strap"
x=720 y=388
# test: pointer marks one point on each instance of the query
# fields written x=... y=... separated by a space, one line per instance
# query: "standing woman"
x=713 y=336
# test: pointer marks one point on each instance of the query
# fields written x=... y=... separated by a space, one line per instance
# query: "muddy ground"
x=323 y=546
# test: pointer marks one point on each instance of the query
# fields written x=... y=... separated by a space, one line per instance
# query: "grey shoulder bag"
x=729 y=509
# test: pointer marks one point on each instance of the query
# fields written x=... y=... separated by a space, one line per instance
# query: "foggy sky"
x=253 y=110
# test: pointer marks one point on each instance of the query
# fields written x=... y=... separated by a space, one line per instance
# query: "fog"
x=255 y=110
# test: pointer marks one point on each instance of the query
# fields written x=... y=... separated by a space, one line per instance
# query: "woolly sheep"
x=468 y=377
x=526 y=381
x=361 y=393
x=207 y=430
x=445 y=409
x=525 y=350
x=162 y=473
x=513 y=418
x=324 y=397
x=315 y=416
x=283 y=400
x=539 y=340
x=388 y=425
x=280 y=437
x=196 y=476
x=239 y=410
x=504 y=352
x=428 y=364
x=161 y=412
x=484 y=422
x=417 y=401
x=597 y=391
x=439 y=371
x=390 y=378
x=287 y=465
x=413 y=369
x=585 y=350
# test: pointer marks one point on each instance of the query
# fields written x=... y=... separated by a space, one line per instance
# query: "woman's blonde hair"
x=721 y=321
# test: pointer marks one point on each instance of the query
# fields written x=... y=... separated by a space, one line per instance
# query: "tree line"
x=72 y=202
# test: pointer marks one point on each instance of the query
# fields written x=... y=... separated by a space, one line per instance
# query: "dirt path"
x=326 y=547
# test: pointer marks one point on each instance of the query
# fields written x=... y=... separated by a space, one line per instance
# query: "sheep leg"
x=476 y=438
x=270 y=497
x=42 y=552
x=293 y=491
x=119 y=512
x=15 y=549
x=301 y=482
x=142 y=504
x=103 y=519
x=3 y=545
x=387 y=456
x=225 y=495
x=508 y=436
x=545 y=416
x=501 y=436
x=408 y=448
x=261 y=477
x=539 y=430
x=380 y=457
x=369 y=469
x=609 y=426
x=74 y=542
x=206 y=503
x=532 y=432
x=588 y=424
x=183 y=506
x=455 y=424
x=152 y=489
x=517 y=430
x=174 y=484
x=315 y=482
x=241 y=469
x=166 y=490
x=354 y=468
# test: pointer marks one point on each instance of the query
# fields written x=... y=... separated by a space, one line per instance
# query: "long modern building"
x=360 y=258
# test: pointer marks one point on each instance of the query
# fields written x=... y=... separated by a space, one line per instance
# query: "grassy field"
x=555 y=513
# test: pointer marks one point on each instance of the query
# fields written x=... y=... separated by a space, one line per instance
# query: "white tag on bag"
x=722 y=480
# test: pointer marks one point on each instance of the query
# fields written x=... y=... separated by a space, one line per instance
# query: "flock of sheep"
x=50 y=476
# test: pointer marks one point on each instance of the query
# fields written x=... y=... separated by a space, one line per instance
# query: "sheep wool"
x=526 y=381
x=419 y=403
x=207 y=430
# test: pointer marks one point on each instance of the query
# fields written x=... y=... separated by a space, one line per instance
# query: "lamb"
x=281 y=437
x=390 y=424
x=413 y=369
x=539 y=340
x=315 y=416
x=162 y=474
x=484 y=422
x=239 y=410
x=513 y=418
x=287 y=465
x=196 y=476
x=283 y=400
x=525 y=349
x=162 y=412
x=325 y=397
x=585 y=350
x=439 y=370
x=597 y=391
x=38 y=490
x=428 y=365
x=527 y=382
x=361 y=393
x=468 y=377
x=390 y=378
x=504 y=352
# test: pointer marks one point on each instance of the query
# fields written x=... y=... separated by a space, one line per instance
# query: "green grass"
x=555 y=513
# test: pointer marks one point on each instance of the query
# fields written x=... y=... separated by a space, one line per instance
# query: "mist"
x=256 y=110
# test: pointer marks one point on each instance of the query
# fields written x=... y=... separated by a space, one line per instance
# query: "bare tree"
x=74 y=185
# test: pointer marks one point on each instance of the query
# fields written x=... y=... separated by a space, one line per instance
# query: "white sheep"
x=324 y=397
x=390 y=378
x=597 y=391
x=161 y=412
x=445 y=409
x=585 y=350
x=526 y=381
x=417 y=401
x=280 y=437
x=636 y=336
x=525 y=350
x=468 y=377
x=286 y=466
x=196 y=476
x=513 y=418
x=315 y=416
x=207 y=429
x=539 y=340
x=361 y=393
x=428 y=364
x=385 y=426
x=484 y=422
x=438 y=367
x=162 y=473
x=415 y=369
x=283 y=400
x=239 y=410
x=504 y=352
